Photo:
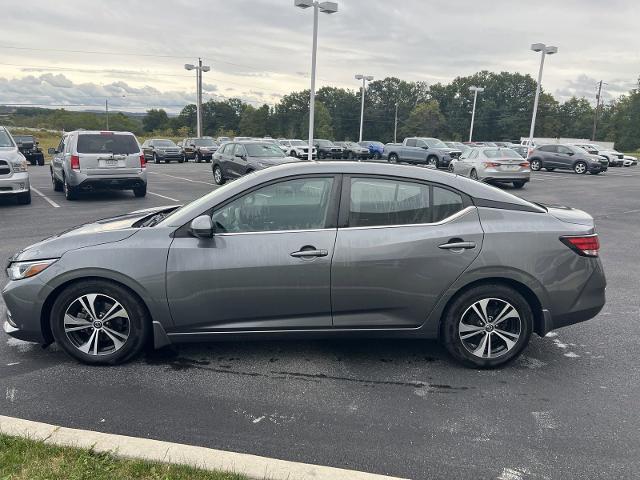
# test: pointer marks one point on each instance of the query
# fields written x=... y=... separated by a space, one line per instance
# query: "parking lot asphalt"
x=568 y=408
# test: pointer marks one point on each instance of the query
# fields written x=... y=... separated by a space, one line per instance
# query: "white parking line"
x=51 y=202
x=181 y=178
x=163 y=196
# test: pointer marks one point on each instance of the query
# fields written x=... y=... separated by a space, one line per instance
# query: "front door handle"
x=310 y=253
x=457 y=245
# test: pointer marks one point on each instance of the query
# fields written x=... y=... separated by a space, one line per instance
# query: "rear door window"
x=107 y=143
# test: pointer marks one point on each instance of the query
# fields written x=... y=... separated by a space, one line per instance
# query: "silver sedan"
x=493 y=165
x=315 y=249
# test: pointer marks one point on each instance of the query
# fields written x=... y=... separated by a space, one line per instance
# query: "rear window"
x=110 y=143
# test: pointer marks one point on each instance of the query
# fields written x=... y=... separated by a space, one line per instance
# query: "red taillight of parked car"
x=585 y=245
x=491 y=164
x=75 y=162
x=143 y=161
x=524 y=164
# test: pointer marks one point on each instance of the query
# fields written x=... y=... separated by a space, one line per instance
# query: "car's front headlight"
x=21 y=270
x=20 y=166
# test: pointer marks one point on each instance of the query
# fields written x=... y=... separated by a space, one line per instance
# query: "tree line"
x=440 y=110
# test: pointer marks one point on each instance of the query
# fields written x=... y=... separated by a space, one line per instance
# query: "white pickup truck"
x=14 y=177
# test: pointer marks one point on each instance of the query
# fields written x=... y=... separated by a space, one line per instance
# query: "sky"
x=79 y=53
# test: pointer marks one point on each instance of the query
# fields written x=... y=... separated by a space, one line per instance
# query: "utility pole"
x=199 y=69
x=395 y=126
x=595 y=116
x=106 y=109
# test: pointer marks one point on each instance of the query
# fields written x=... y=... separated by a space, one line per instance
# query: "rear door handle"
x=457 y=245
x=310 y=253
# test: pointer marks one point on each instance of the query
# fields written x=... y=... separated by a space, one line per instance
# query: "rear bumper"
x=16 y=183
x=111 y=183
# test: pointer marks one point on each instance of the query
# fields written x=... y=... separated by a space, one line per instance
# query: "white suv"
x=14 y=177
x=297 y=148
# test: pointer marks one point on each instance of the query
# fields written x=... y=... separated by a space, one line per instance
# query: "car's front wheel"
x=580 y=168
x=393 y=158
x=487 y=326
x=433 y=161
x=99 y=322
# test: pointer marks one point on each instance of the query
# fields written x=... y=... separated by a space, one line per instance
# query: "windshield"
x=164 y=143
x=23 y=139
x=204 y=142
x=298 y=143
x=5 y=139
x=263 y=150
x=107 y=143
x=435 y=143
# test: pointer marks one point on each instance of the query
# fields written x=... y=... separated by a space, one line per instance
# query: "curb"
x=252 y=466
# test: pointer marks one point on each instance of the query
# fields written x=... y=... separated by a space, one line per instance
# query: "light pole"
x=475 y=91
x=546 y=50
x=364 y=78
x=395 y=126
x=324 y=7
x=199 y=69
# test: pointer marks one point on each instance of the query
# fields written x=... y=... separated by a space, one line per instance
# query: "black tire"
x=580 y=168
x=139 y=322
x=24 y=198
x=69 y=192
x=198 y=158
x=181 y=159
x=393 y=158
x=519 y=184
x=549 y=169
x=461 y=309
x=208 y=160
x=473 y=174
x=41 y=160
x=155 y=158
x=166 y=160
x=57 y=185
x=535 y=164
x=433 y=161
x=323 y=155
x=377 y=156
x=293 y=154
x=596 y=173
x=140 y=191
x=218 y=177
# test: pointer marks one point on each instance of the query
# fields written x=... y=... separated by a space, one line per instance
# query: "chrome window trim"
x=450 y=218
x=275 y=231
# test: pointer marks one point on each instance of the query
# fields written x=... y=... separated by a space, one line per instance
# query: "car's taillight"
x=585 y=245
x=75 y=162
x=524 y=164
x=143 y=161
x=491 y=164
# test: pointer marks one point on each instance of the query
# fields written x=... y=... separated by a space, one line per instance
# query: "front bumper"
x=169 y=156
x=16 y=183
x=24 y=300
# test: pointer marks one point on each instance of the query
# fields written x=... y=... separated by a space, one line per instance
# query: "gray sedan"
x=315 y=249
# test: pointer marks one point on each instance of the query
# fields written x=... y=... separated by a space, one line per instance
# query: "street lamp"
x=546 y=50
x=364 y=78
x=199 y=69
x=324 y=7
x=475 y=91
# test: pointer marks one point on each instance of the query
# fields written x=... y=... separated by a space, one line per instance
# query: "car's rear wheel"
x=69 y=192
x=518 y=184
x=99 y=322
x=580 y=168
x=218 y=178
x=487 y=326
x=535 y=164
x=140 y=191
x=57 y=184
x=24 y=198
x=393 y=158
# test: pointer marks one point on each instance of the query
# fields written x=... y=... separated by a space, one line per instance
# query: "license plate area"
x=511 y=168
x=110 y=163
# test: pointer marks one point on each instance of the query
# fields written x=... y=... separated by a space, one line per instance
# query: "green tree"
x=155 y=119
x=425 y=120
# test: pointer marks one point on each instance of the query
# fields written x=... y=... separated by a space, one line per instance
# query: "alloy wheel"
x=217 y=175
x=535 y=165
x=580 y=168
x=97 y=324
x=490 y=328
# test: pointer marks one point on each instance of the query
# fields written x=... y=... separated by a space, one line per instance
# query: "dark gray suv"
x=235 y=159
x=567 y=157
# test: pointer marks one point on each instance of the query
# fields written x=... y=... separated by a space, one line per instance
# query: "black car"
x=353 y=151
x=327 y=149
x=235 y=159
x=199 y=149
x=159 y=149
x=568 y=157
x=28 y=146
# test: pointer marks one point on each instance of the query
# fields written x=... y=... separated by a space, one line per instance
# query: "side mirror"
x=202 y=227
x=240 y=155
x=570 y=153
x=52 y=151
